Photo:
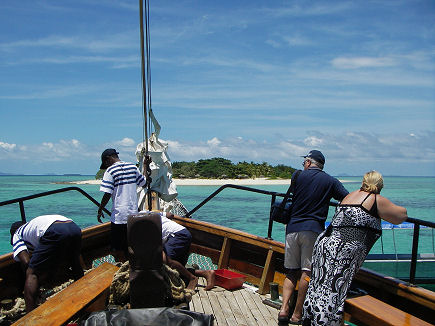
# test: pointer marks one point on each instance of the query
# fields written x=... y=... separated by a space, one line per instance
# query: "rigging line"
x=145 y=99
x=144 y=88
x=148 y=51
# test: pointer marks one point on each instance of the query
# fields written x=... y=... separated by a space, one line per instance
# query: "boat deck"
x=234 y=308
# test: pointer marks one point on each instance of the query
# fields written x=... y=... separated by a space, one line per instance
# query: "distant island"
x=220 y=168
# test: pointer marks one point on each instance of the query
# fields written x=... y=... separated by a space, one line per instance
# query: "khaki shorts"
x=299 y=249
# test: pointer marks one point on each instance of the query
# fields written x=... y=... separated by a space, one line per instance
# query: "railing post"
x=23 y=213
x=269 y=230
x=414 y=253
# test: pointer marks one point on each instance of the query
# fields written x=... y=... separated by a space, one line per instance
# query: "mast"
x=146 y=96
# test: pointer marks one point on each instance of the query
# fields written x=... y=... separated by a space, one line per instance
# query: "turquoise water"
x=237 y=209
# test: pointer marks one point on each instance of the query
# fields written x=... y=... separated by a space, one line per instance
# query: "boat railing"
x=415 y=224
x=21 y=200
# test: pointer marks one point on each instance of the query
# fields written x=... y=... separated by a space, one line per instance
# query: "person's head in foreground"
x=14 y=228
x=108 y=157
x=314 y=157
x=372 y=182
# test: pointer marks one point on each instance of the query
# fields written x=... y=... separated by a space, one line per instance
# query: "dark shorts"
x=178 y=245
x=118 y=237
x=62 y=240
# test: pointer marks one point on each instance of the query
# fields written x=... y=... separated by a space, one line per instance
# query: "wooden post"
x=268 y=272
x=224 y=257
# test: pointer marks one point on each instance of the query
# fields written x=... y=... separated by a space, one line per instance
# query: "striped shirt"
x=120 y=180
x=27 y=235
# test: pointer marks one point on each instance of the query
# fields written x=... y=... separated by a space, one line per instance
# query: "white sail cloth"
x=161 y=169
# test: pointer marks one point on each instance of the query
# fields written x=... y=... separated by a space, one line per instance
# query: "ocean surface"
x=242 y=210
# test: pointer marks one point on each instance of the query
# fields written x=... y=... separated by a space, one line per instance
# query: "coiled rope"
x=120 y=287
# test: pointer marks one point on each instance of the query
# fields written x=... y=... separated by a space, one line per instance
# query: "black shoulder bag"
x=281 y=209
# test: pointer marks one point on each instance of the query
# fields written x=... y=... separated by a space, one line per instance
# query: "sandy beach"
x=211 y=182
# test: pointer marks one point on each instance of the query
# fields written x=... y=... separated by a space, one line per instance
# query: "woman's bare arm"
x=391 y=212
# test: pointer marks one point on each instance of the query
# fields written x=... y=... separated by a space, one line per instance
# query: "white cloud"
x=48 y=151
x=125 y=142
x=347 y=152
x=7 y=146
x=125 y=40
x=362 y=62
x=214 y=142
x=297 y=40
x=313 y=141
x=354 y=148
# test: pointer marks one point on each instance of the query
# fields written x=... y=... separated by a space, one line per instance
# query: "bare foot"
x=210 y=278
x=192 y=283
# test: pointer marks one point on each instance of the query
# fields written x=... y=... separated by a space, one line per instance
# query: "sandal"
x=283 y=319
x=295 y=322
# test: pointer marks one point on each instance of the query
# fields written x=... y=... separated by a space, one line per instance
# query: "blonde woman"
x=342 y=248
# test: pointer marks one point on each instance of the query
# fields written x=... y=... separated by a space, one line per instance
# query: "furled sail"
x=161 y=170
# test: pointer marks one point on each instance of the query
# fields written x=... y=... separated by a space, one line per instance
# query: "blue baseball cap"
x=316 y=155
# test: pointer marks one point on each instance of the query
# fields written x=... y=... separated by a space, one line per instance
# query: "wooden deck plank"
x=226 y=309
x=196 y=304
x=256 y=313
x=242 y=307
x=217 y=310
x=250 y=320
x=205 y=301
x=238 y=314
x=272 y=310
x=267 y=315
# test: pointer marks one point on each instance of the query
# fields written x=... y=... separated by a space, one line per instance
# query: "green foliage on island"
x=220 y=168
x=99 y=175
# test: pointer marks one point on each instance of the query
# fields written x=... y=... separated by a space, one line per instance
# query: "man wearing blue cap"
x=119 y=183
x=312 y=193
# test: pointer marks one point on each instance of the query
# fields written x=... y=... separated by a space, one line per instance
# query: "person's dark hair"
x=14 y=228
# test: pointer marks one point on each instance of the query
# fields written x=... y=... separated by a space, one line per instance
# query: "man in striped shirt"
x=120 y=181
x=50 y=238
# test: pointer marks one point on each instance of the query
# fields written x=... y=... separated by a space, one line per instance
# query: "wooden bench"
x=86 y=294
x=371 y=311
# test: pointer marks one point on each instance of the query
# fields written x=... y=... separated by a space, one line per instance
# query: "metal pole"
x=23 y=213
x=269 y=230
x=414 y=253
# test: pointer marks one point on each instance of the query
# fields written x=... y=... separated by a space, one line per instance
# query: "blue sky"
x=262 y=81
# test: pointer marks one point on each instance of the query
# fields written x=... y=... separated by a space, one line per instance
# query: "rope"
x=19 y=308
x=16 y=312
x=144 y=83
x=177 y=286
x=120 y=287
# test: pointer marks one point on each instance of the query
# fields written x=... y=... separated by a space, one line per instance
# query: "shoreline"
x=205 y=182
x=208 y=182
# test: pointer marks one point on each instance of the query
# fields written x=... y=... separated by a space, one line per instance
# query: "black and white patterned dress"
x=338 y=254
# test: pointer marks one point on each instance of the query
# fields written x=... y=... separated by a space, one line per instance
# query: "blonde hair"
x=372 y=182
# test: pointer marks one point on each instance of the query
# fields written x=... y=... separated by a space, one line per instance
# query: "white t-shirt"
x=121 y=180
x=27 y=236
x=169 y=227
